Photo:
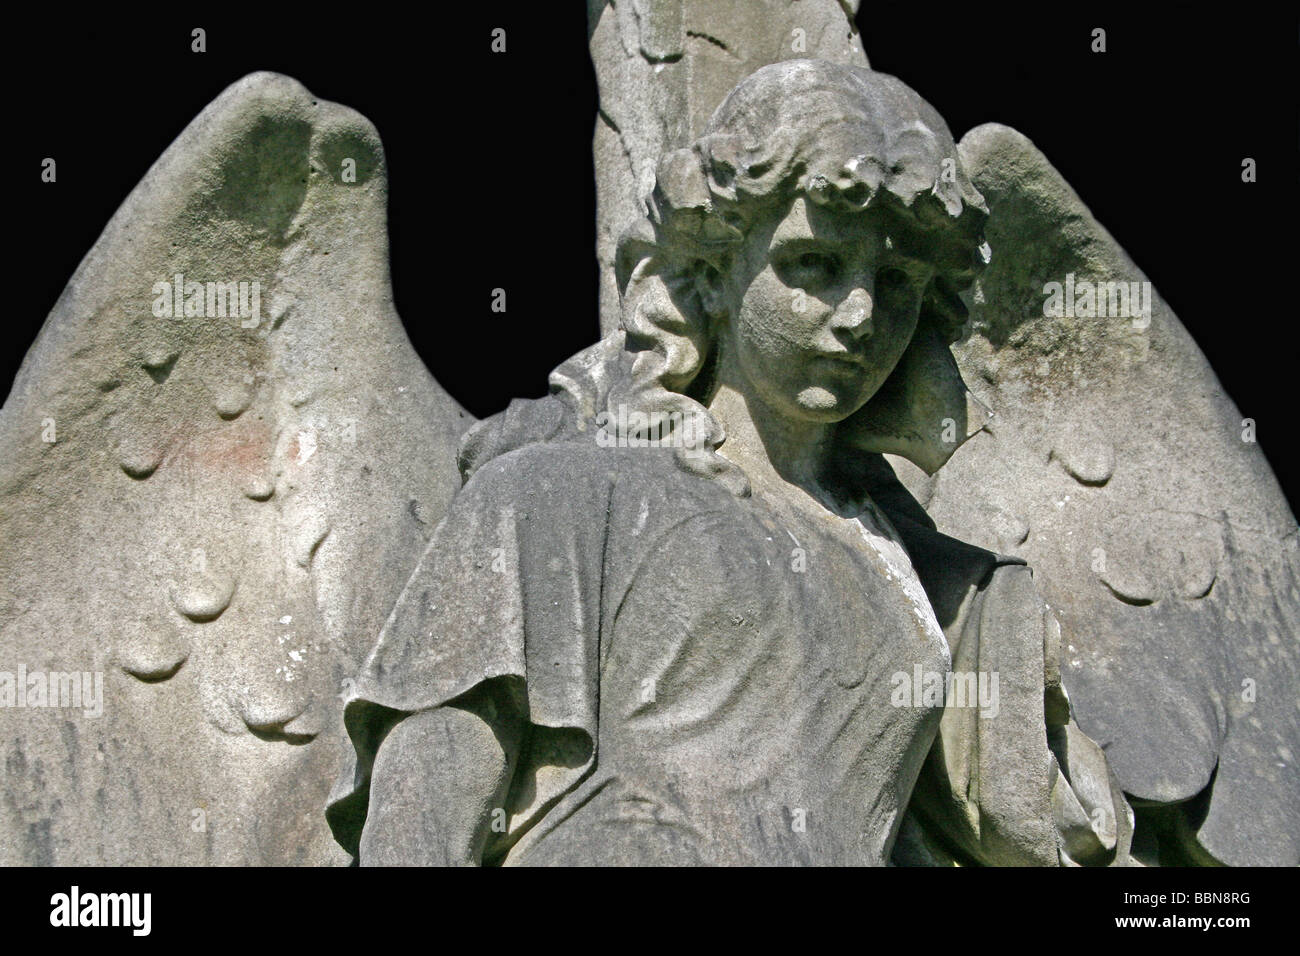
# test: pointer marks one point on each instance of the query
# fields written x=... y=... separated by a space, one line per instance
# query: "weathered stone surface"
x=611 y=653
x=226 y=509
x=664 y=622
x=663 y=66
x=1115 y=464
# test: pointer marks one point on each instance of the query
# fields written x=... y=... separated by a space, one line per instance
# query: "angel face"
x=826 y=301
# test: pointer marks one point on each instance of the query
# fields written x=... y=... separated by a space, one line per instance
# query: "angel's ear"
x=709 y=289
x=923 y=412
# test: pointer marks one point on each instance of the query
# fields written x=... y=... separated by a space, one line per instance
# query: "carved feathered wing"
x=1115 y=464
x=216 y=513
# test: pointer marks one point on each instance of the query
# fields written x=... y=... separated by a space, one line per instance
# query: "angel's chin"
x=822 y=404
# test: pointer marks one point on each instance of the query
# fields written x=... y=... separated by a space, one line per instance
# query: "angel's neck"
x=772 y=449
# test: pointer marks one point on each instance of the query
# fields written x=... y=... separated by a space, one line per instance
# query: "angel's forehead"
x=809 y=220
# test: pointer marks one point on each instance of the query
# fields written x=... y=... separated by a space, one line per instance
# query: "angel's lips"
x=855 y=359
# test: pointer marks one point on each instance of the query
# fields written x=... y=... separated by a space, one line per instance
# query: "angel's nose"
x=854 y=314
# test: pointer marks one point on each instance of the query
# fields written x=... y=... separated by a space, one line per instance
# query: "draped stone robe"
x=706 y=678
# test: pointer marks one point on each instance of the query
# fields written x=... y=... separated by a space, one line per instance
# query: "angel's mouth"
x=844 y=358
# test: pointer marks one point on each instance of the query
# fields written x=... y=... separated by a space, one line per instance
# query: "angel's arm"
x=440 y=779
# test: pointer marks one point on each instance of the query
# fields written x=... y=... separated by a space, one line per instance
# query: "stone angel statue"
x=678 y=610
x=759 y=581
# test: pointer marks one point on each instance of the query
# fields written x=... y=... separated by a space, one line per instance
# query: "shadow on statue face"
x=827 y=301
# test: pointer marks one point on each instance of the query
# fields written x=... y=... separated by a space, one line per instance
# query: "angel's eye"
x=809 y=270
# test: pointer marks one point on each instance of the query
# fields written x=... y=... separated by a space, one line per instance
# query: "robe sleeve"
x=509 y=590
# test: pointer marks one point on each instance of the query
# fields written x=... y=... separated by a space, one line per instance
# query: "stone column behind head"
x=663 y=66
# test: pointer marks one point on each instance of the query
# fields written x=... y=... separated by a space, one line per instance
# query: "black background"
x=316 y=911
x=491 y=181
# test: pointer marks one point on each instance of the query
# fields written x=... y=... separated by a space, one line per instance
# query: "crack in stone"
x=848 y=15
x=711 y=39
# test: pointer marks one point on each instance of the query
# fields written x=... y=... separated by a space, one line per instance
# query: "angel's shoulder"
x=585 y=472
